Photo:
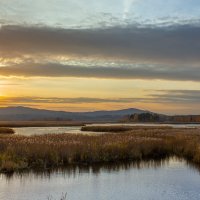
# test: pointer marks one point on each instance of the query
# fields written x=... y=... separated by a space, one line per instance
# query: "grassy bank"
x=48 y=151
x=4 y=131
x=120 y=128
x=106 y=128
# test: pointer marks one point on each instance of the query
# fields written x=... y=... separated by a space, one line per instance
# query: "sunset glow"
x=101 y=56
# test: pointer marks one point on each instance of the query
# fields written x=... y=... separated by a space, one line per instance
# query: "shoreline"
x=28 y=124
x=101 y=165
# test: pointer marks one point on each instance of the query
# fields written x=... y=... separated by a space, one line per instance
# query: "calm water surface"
x=77 y=129
x=46 y=130
x=169 y=180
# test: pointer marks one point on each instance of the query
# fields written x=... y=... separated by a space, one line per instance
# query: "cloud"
x=170 y=53
x=55 y=100
x=157 y=97
x=178 y=96
x=121 y=72
x=127 y=7
x=175 y=44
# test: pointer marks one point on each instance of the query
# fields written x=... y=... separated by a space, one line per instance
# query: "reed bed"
x=6 y=131
x=49 y=151
x=119 y=128
x=106 y=128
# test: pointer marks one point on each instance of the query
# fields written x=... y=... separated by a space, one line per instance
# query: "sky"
x=86 y=55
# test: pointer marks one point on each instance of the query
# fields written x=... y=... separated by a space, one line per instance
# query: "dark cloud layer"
x=175 y=44
x=170 y=53
x=135 y=72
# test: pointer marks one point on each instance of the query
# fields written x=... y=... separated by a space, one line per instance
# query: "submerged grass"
x=48 y=151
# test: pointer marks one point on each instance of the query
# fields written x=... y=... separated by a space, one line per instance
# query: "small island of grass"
x=60 y=150
x=5 y=131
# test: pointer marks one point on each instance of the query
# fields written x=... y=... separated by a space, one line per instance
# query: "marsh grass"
x=106 y=128
x=49 y=151
x=6 y=130
x=119 y=128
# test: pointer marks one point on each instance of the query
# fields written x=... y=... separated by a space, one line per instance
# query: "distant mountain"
x=27 y=114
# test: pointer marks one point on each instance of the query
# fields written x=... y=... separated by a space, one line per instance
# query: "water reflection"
x=96 y=169
x=167 y=179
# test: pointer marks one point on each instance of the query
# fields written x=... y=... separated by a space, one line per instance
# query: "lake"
x=167 y=180
x=27 y=131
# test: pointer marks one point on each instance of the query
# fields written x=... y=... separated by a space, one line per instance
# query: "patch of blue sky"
x=81 y=13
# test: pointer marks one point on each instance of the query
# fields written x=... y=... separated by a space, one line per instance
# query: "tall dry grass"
x=48 y=151
x=120 y=128
x=4 y=130
x=106 y=128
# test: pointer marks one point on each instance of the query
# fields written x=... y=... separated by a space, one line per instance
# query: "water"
x=77 y=129
x=148 y=181
x=27 y=131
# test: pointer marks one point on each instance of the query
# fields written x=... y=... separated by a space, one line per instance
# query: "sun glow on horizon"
x=87 y=55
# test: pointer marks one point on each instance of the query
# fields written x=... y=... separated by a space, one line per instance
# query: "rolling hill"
x=28 y=114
